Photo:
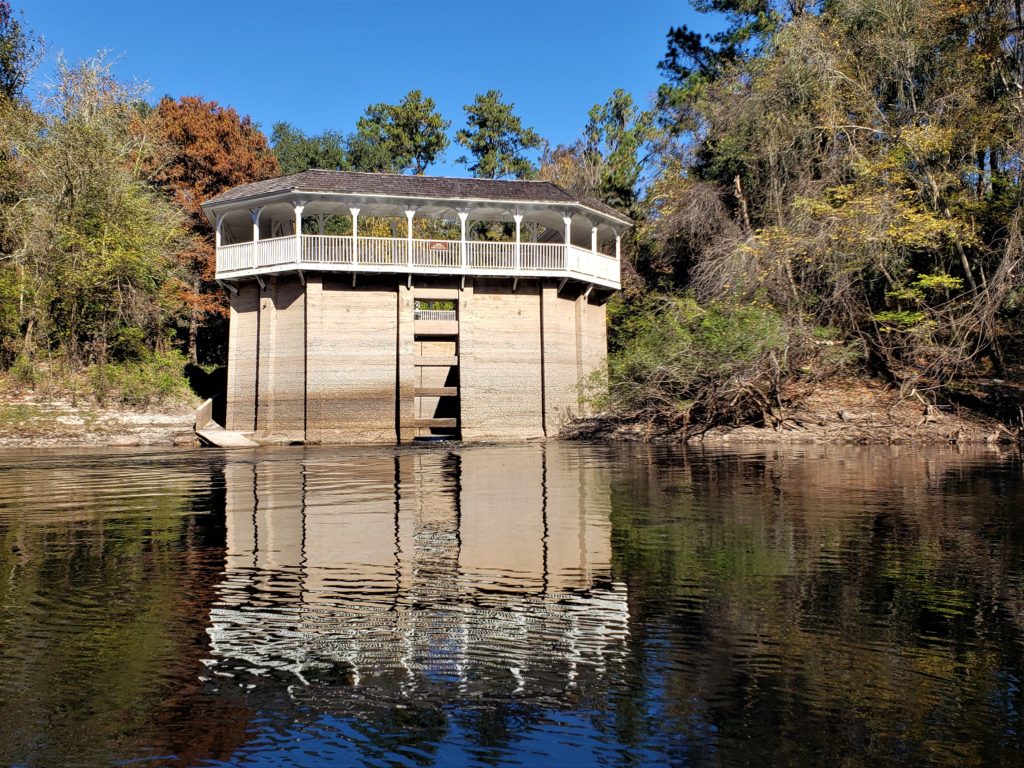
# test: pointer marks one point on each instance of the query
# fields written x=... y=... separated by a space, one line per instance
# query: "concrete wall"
x=561 y=372
x=593 y=339
x=282 y=361
x=500 y=361
x=353 y=362
x=242 y=343
x=332 y=362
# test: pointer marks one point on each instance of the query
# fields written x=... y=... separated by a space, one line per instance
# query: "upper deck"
x=318 y=221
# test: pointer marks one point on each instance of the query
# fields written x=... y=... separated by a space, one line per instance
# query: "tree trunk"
x=193 y=333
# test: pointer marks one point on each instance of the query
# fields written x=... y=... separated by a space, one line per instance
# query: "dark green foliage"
x=19 y=50
x=297 y=152
x=496 y=139
x=151 y=377
x=399 y=138
x=682 y=363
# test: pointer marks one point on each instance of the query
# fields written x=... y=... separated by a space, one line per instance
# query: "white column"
x=408 y=218
x=567 y=220
x=518 y=219
x=321 y=220
x=618 y=247
x=298 y=205
x=255 y=213
x=217 y=230
x=593 y=239
x=463 y=215
x=355 y=234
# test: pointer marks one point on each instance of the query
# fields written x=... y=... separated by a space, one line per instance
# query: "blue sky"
x=318 y=65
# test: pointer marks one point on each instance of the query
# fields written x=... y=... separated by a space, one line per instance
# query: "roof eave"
x=209 y=207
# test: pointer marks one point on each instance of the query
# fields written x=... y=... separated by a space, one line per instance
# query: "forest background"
x=823 y=190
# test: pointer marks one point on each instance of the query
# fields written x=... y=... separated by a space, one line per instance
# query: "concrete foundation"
x=323 y=360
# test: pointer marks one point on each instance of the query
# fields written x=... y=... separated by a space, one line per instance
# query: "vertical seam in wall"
x=259 y=334
x=543 y=382
x=398 y=361
x=305 y=363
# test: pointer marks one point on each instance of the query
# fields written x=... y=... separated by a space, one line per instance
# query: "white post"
x=355 y=235
x=618 y=247
x=463 y=215
x=255 y=213
x=567 y=220
x=217 y=230
x=518 y=218
x=408 y=232
x=321 y=220
x=298 y=205
x=593 y=239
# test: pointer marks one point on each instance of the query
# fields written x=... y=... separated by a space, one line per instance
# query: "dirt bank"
x=841 y=412
x=31 y=421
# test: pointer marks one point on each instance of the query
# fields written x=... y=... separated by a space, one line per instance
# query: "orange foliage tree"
x=207 y=149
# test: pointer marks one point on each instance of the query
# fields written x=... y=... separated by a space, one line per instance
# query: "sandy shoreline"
x=851 y=413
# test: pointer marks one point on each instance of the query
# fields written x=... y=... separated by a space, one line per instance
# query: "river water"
x=541 y=604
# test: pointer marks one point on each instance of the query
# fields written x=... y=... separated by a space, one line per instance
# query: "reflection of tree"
x=843 y=606
x=106 y=580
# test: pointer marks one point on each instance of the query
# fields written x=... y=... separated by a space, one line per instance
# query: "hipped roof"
x=427 y=187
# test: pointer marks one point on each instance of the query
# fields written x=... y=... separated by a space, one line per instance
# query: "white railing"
x=277 y=250
x=436 y=253
x=326 y=249
x=392 y=254
x=382 y=251
x=539 y=257
x=434 y=314
x=234 y=257
x=482 y=255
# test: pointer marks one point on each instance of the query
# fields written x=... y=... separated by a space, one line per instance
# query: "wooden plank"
x=435 y=361
x=439 y=423
x=436 y=391
x=436 y=327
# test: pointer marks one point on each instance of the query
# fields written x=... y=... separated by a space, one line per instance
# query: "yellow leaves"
x=927 y=141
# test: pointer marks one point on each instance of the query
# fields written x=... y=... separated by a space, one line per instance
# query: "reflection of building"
x=487 y=567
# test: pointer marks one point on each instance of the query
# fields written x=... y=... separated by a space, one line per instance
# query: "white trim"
x=285 y=195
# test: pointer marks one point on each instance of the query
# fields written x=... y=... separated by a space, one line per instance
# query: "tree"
x=209 y=148
x=619 y=133
x=496 y=139
x=608 y=162
x=859 y=170
x=296 y=152
x=91 y=242
x=398 y=138
x=19 y=51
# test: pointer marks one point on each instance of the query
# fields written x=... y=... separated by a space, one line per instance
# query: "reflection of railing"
x=421 y=256
x=434 y=314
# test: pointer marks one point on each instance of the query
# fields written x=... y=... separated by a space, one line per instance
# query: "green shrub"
x=24 y=372
x=153 y=378
x=679 y=361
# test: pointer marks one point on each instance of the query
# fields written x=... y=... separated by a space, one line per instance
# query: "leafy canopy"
x=399 y=138
x=297 y=152
x=496 y=139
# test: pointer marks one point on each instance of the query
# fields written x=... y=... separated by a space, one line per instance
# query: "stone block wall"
x=282 y=361
x=500 y=360
x=243 y=334
x=327 y=361
x=593 y=347
x=353 y=363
